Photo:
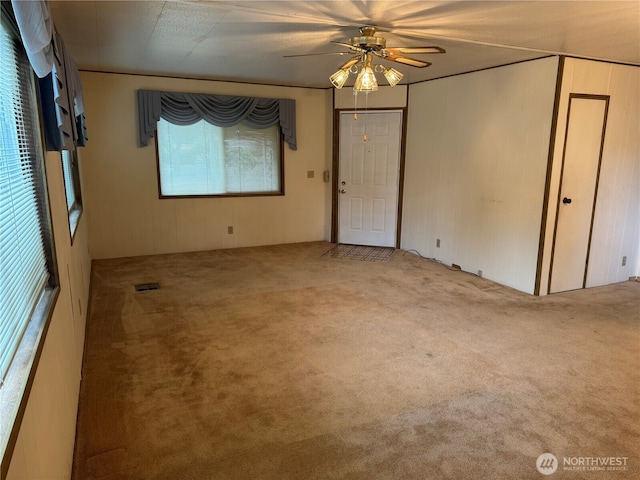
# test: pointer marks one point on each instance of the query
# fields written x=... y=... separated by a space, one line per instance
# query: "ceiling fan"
x=366 y=46
x=368 y=42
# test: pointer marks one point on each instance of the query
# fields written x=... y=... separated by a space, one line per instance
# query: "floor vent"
x=145 y=287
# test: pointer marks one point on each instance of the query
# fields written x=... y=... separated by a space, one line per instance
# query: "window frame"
x=75 y=209
x=15 y=391
x=279 y=193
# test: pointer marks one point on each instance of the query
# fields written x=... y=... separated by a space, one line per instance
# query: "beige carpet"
x=277 y=363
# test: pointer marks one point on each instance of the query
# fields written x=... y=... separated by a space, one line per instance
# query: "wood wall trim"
x=547 y=185
x=606 y=99
x=403 y=156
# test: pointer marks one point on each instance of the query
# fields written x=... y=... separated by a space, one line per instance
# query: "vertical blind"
x=23 y=265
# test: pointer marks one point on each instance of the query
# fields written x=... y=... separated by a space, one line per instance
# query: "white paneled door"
x=368 y=183
x=578 y=188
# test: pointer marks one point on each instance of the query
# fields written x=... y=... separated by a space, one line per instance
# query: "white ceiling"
x=247 y=40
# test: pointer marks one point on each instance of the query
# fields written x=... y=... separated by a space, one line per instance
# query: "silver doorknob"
x=343 y=191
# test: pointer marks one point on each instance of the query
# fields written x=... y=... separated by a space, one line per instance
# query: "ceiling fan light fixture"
x=339 y=78
x=362 y=50
x=393 y=76
x=366 y=81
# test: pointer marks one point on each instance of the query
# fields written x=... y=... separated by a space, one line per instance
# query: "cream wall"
x=44 y=449
x=477 y=149
x=385 y=97
x=616 y=228
x=126 y=218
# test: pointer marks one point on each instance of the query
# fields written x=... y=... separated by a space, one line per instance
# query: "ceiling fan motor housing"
x=368 y=41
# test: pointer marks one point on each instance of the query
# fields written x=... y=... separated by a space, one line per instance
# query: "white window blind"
x=203 y=159
x=23 y=264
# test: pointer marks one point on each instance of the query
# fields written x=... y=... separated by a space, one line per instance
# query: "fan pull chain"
x=366 y=107
x=355 y=111
x=355 y=105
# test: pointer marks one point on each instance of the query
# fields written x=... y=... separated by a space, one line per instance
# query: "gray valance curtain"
x=219 y=110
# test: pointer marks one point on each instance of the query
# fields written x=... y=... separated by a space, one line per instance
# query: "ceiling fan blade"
x=406 y=60
x=314 y=54
x=348 y=45
x=350 y=63
x=415 y=50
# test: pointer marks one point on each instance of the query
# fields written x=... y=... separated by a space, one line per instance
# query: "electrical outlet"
x=437 y=243
x=229 y=230
x=624 y=260
x=311 y=174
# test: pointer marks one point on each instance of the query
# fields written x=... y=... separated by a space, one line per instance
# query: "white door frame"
x=335 y=184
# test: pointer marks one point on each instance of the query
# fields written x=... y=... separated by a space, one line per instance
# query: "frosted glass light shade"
x=339 y=78
x=393 y=76
x=366 y=81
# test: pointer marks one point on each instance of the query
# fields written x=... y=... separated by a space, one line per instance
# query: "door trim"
x=335 y=166
x=582 y=96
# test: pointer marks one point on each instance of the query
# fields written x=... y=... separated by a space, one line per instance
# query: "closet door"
x=584 y=139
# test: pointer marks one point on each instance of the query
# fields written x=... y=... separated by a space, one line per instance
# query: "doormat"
x=359 y=252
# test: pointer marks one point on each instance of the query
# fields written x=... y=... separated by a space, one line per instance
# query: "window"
x=27 y=280
x=72 y=187
x=206 y=160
